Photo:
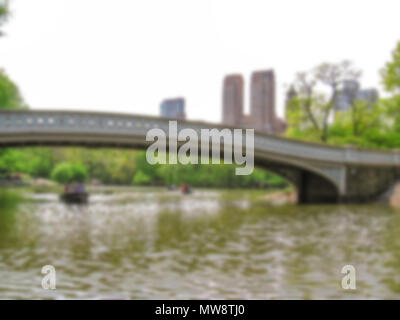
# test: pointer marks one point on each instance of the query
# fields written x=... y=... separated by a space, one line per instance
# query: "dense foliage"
x=121 y=167
x=10 y=97
x=69 y=172
x=313 y=98
x=365 y=125
x=201 y=175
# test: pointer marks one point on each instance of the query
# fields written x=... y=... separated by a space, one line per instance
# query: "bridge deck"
x=65 y=127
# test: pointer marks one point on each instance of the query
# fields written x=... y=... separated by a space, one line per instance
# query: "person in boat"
x=74 y=188
x=75 y=193
x=69 y=188
x=80 y=188
x=185 y=189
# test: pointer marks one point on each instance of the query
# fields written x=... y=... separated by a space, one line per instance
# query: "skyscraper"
x=351 y=92
x=347 y=95
x=262 y=101
x=232 y=100
x=173 y=108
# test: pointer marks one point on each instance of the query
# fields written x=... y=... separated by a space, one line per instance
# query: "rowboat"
x=78 y=198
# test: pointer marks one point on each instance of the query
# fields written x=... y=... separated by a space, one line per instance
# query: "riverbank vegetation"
x=122 y=167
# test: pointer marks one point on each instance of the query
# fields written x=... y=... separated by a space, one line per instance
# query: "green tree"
x=391 y=72
x=310 y=111
x=361 y=117
x=391 y=81
x=141 y=178
x=69 y=172
x=40 y=163
x=146 y=168
x=10 y=97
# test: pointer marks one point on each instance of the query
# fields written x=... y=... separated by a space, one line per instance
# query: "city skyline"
x=262 y=116
x=93 y=65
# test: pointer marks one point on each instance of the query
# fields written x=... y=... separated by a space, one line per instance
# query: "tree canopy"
x=311 y=107
x=391 y=82
x=69 y=172
x=391 y=72
x=10 y=96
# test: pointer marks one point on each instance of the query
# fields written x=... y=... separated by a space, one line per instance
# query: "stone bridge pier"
x=364 y=184
x=340 y=184
x=361 y=185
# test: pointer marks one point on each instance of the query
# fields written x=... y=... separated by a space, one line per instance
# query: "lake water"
x=130 y=243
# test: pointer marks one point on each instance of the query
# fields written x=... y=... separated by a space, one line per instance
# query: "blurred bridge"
x=322 y=173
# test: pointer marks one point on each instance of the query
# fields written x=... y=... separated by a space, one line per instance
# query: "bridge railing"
x=105 y=124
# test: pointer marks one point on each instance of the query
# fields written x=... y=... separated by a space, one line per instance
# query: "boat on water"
x=185 y=189
x=74 y=193
x=78 y=198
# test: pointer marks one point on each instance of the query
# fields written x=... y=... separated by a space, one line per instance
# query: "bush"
x=68 y=172
x=141 y=178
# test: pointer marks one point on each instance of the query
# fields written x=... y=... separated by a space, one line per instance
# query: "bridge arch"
x=312 y=184
x=321 y=173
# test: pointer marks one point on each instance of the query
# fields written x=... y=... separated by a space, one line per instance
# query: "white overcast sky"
x=127 y=55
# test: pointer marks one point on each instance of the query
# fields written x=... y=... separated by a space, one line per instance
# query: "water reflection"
x=131 y=243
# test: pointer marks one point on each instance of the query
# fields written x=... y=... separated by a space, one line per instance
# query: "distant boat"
x=186 y=189
x=78 y=198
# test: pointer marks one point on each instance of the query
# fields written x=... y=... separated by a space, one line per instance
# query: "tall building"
x=173 y=108
x=368 y=95
x=351 y=92
x=232 y=100
x=290 y=95
x=262 y=103
x=347 y=95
